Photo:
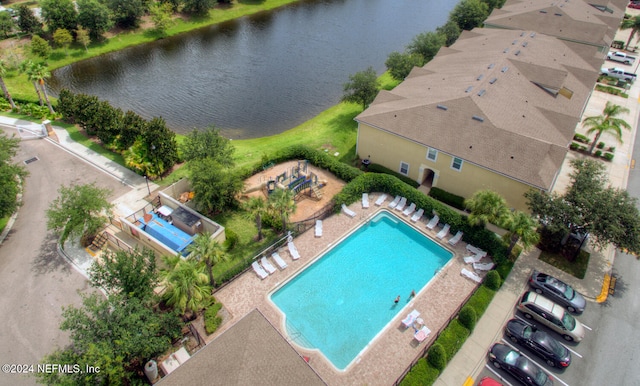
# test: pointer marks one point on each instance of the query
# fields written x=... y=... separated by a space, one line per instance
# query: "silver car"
x=558 y=291
x=552 y=315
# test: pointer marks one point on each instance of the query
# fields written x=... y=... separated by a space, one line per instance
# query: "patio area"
x=393 y=350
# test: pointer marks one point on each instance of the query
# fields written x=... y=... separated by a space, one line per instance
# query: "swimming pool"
x=346 y=297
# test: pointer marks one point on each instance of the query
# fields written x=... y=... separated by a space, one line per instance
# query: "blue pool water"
x=344 y=299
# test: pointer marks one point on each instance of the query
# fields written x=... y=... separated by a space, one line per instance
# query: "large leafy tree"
x=255 y=208
x=186 y=285
x=282 y=202
x=401 y=64
x=7 y=25
x=469 y=14
x=161 y=143
x=632 y=23
x=9 y=175
x=426 y=45
x=127 y=13
x=608 y=122
x=208 y=143
x=128 y=274
x=208 y=252
x=132 y=127
x=27 y=21
x=78 y=212
x=161 y=16
x=95 y=17
x=487 y=206
x=362 y=88
x=5 y=91
x=214 y=185
x=116 y=334
x=59 y=14
x=608 y=214
x=107 y=122
x=451 y=30
x=198 y=7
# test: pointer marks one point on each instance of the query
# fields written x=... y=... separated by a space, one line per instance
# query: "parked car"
x=503 y=357
x=487 y=381
x=621 y=57
x=543 y=345
x=558 y=291
x=634 y=5
x=552 y=315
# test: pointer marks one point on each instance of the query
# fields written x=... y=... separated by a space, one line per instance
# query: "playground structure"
x=304 y=183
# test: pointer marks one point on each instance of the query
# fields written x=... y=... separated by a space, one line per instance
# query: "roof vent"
x=505 y=68
x=522 y=33
x=517 y=53
x=558 y=14
x=505 y=51
x=468 y=90
x=543 y=11
x=533 y=34
x=482 y=92
x=492 y=81
x=477 y=118
x=514 y=42
x=525 y=44
x=442 y=107
x=480 y=77
x=491 y=66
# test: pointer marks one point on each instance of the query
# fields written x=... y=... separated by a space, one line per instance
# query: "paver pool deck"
x=393 y=350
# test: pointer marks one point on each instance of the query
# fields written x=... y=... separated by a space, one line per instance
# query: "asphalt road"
x=35 y=282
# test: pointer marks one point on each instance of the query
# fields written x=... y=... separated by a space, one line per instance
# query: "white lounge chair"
x=395 y=202
x=471 y=275
x=401 y=204
x=476 y=250
x=433 y=222
x=472 y=259
x=318 y=228
x=348 y=211
x=258 y=270
x=443 y=232
x=484 y=266
x=281 y=263
x=422 y=334
x=365 y=200
x=267 y=265
x=418 y=215
x=381 y=199
x=411 y=318
x=410 y=209
x=455 y=239
x=293 y=250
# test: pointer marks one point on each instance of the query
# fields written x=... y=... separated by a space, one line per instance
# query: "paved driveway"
x=35 y=282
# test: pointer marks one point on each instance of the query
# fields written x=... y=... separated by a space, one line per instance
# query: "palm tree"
x=256 y=208
x=521 y=227
x=3 y=72
x=186 y=285
x=487 y=206
x=209 y=252
x=281 y=201
x=26 y=67
x=633 y=24
x=40 y=72
x=607 y=123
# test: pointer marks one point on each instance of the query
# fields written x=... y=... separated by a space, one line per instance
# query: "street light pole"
x=146 y=179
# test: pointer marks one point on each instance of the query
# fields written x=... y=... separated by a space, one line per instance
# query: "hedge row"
x=375 y=168
x=211 y=318
x=447 y=198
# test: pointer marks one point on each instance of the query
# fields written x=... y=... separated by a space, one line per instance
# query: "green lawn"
x=577 y=268
x=3 y=223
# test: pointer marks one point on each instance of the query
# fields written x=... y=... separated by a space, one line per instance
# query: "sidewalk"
x=467 y=364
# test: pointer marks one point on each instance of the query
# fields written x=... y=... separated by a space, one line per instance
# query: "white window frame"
x=400 y=170
x=453 y=162
x=435 y=154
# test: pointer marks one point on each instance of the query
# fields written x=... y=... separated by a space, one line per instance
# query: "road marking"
x=633 y=162
x=569 y=348
x=587 y=327
x=490 y=368
x=553 y=376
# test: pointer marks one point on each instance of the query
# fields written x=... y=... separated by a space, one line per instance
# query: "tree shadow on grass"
x=251 y=2
x=48 y=259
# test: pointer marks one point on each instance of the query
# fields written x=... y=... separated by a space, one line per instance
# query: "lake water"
x=258 y=75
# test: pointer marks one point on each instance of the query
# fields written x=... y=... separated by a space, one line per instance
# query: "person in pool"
x=397 y=300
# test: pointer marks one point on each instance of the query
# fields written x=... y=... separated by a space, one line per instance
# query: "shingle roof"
x=515 y=83
x=251 y=352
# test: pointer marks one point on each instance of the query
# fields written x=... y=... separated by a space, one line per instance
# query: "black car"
x=546 y=347
x=558 y=291
x=503 y=357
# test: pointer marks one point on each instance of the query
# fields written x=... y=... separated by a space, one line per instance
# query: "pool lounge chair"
x=348 y=211
x=443 y=232
x=418 y=215
x=365 y=200
x=318 y=228
x=476 y=250
x=258 y=270
x=401 y=204
x=471 y=275
x=411 y=318
x=381 y=199
x=455 y=239
x=434 y=221
x=267 y=265
x=293 y=250
x=422 y=334
x=473 y=258
x=395 y=202
x=483 y=266
x=281 y=263
x=410 y=209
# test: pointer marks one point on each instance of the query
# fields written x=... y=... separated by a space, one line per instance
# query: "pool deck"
x=393 y=350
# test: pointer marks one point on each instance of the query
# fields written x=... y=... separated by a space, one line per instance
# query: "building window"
x=404 y=168
x=432 y=154
x=456 y=164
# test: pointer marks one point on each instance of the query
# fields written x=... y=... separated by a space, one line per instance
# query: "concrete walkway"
x=470 y=360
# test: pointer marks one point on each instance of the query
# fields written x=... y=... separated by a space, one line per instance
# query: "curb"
x=604 y=294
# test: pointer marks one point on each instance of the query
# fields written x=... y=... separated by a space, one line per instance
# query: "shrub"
x=608 y=156
x=493 y=280
x=211 y=319
x=423 y=373
x=600 y=145
x=582 y=148
x=598 y=153
x=375 y=168
x=480 y=300
x=231 y=239
x=574 y=146
x=611 y=90
x=612 y=149
x=580 y=138
x=468 y=317
x=452 y=338
x=447 y=198
x=437 y=357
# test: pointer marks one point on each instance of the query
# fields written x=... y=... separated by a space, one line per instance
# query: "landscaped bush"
x=582 y=148
x=447 y=198
x=598 y=153
x=580 y=138
x=480 y=300
x=231 y=239
x=611 y=90
x=574 y=146
x=422 y=374
x=211 y=319
x=468 y=317
x=493 y=280
x=452 y=338
x=608 y=156
x=437 y=357
x=612 y=149
x=600 y=145
x=375 y=168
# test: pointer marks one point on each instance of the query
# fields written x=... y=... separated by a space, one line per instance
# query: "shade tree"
x=59 y=14
x=95 y=17
x=361 y=88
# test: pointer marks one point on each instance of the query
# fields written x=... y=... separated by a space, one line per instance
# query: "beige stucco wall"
x=390 y=150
